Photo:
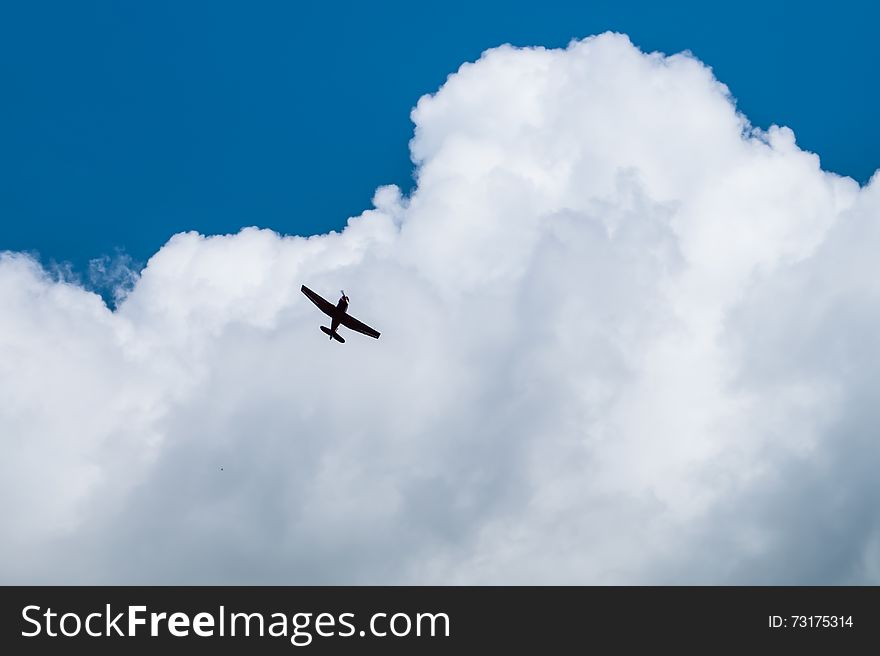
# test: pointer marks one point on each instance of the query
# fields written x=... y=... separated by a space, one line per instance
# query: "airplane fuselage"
x=341 y=308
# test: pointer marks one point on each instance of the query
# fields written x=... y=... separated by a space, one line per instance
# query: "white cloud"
x=626 y=338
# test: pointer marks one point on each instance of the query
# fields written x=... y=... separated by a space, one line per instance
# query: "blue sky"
x=123 y=123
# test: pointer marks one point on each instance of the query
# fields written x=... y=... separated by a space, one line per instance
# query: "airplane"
x=338 y=315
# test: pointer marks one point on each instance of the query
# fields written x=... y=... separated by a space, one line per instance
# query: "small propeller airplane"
x=338 y=315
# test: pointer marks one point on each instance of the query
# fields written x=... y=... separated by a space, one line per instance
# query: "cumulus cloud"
x=626 y=338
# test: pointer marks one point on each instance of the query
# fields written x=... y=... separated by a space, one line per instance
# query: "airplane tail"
x=335 y=336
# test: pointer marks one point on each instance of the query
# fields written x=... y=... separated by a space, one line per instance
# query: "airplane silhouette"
x=338 y=315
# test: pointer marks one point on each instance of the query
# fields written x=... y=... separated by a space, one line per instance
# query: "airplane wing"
x=325 y=306
x=350 y=322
